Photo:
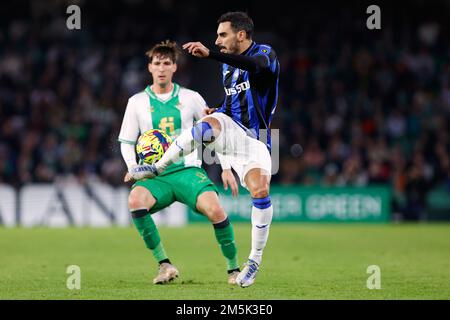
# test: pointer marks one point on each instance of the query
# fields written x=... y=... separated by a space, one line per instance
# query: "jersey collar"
x=175 y=90
x=249 y=49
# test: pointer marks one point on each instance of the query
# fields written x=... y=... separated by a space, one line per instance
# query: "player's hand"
x=228 y=179
x=197 y=49
x=127 y=178
x=208 y=111
x=139 y=172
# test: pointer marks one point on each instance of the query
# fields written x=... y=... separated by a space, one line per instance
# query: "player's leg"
x=257 y=181
x=208 y=204
x=192 y=187
x=252 y=163
x=142 y=204
x=204 y=131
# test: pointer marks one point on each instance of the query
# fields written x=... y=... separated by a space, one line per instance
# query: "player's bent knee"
x=258 y=183
x=260 y=192
x=215 y=213
x=218 y=213
x=140 y=198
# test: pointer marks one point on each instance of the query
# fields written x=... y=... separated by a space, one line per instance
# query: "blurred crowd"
x=356 y=107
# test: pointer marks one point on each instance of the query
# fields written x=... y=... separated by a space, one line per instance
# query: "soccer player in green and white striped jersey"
x=171 y=108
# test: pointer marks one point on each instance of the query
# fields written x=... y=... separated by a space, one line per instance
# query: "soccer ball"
x=151 y=145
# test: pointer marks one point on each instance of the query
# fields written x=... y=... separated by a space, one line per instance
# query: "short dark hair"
x=164 y=49
x=239 y=21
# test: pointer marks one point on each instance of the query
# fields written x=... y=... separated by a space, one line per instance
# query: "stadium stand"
x=355 y=108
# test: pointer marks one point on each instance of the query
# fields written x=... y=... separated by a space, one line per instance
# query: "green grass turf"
x=309 y=261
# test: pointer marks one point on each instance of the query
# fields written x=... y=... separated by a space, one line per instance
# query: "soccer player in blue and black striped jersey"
x=234 y=129
x=250 y=78
x=250 y=73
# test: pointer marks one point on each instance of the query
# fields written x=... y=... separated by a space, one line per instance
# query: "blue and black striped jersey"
x=251 y=95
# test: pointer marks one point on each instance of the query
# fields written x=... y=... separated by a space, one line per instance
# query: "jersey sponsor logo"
x=243 y=86
x=202 y=177
x=167 y=125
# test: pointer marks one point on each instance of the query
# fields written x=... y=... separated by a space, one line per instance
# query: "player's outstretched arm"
x=251 y=64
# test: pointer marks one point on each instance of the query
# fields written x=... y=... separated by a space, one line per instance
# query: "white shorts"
x=238 y=149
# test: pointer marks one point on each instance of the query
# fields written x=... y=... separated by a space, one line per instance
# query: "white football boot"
x=167 y=272
x=248 y=274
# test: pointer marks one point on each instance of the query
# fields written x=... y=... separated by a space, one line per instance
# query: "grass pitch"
x=301 y=261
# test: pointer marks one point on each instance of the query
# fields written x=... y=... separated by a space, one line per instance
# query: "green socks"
x=149 y=233
x=225 y=237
